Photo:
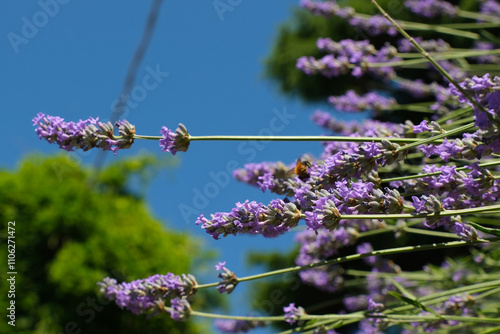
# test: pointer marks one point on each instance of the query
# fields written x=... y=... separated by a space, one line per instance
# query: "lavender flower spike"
x=174 y=142
x=144 y=295
x=431 y=8
x=254 y=218
x=84 y=134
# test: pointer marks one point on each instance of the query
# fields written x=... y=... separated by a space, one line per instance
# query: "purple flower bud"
x=220 y=265
x=229 y=280
x=374 y=306
x=466 y=232
x=180 y=309
x=174 y=142
x=292 y=313
x=422 y=127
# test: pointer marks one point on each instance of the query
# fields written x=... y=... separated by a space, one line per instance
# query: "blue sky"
x=203 y=69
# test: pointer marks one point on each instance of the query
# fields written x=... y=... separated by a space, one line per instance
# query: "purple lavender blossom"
x=325 y=278
x=237 y=326
x=327 y=8
x=422 y=127
x=479 y=45
x=431 y=8
x=148 y=294
x=374 y=25
x=174 y=142
x=265 y=175
x=466 y=232
x=317 y=247
x=254 y=218
x=229 y=279
x=180 y=309
x=369 y=128
x=324 y=215
x=366 y=247
x=84 y=134
x=356 y=303
x=431 y=45
x=350 y=56
x=490 y=7
x=354 y=103
x=486 y=92
x=220 y=265
x=266 y=182
x=292 y=313
x=374 y=306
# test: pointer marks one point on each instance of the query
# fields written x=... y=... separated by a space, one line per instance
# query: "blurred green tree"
x=74 y=229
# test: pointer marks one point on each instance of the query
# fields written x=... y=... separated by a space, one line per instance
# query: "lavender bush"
x=438 y=177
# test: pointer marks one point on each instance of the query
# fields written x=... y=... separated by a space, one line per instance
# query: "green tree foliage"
x=72 y=230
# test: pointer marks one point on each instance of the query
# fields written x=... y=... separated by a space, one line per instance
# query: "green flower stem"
x=401 y=178
x=455 y=114
x=480 y=68
x=477 y=16
x=455 y=53
x=425 y=318
x=459 y=122
x=442 y=135
x=230 y=317
x=291 y=138
x=431 y=233
x=443 y=213
x=352 y=316
x=436 y=56
x=488 y=293
x=429 y=27
x=422 y=276
x=416 y=276
x=442 y=296
x=429 y=58
x=353 y=257
x=487 y=288
x=471 y=26
x=413 y=107
x=409 y=230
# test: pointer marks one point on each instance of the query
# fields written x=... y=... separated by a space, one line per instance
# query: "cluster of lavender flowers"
x=84 y=134
x=346 y=179
x=350 y=57
x=91 y=133
x=150 y=295
x=374 y=24
x=431 y=8
x=426 y=176
x=354 y=102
